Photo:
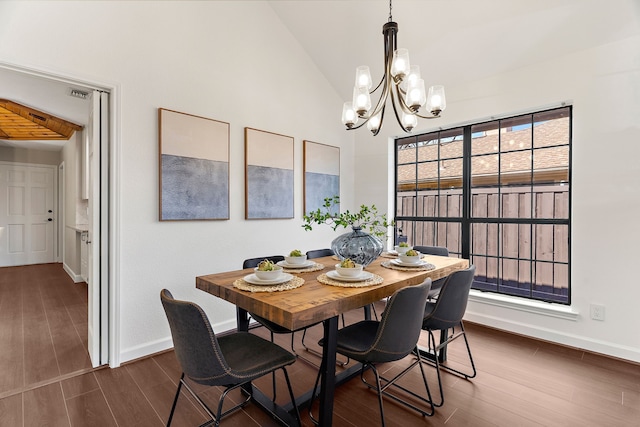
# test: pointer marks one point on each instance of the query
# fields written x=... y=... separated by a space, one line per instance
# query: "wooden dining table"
x=315 y=302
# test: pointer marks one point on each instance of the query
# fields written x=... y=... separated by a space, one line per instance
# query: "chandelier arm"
x=383 y=98
x=395 y=110
x=403 y=105
x=427 y=117
x=367 y=119
x=379 y=108
x=377 y=87
x=359 y=126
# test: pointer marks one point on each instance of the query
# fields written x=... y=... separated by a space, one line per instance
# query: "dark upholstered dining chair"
x=438 y=251
x=229 y=361
x=319 y=253
x=445 y=315
x=392 y=338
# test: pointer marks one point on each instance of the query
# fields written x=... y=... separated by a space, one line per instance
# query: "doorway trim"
x=61 y=212
x=110 y=226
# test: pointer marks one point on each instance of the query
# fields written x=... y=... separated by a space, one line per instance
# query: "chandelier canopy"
x=401 y=82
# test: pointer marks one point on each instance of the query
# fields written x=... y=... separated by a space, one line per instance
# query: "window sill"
x=520 y=304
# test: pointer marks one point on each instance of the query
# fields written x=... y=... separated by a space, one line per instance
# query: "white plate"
x=305 y=264
x=332 y=274
x=253 y=279
x=408 y=264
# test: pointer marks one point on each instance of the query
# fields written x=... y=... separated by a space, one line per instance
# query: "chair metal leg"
x=378 y=390
x=436 y=360
x=393 y=382
x=215 y=419
x=175 y=400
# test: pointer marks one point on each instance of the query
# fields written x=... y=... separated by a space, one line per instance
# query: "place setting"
x=398 y=249
x=268 y=277
x=410 y=260
x=297 y=262
x=348 y=274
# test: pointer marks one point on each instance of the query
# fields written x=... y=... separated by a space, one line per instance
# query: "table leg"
x=367 y=312
x=328 y=374
x=242 y=319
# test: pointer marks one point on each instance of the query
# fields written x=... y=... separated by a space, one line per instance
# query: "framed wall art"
x=194 y=167
x=321 y=175
x=268 y=175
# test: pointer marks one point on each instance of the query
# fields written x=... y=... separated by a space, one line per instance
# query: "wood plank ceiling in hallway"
x=19 y=122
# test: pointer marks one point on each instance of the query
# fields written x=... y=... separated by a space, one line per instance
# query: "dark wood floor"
x=520 y=382
x=43 y=326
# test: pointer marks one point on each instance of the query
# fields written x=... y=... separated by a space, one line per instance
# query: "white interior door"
x=97 y=253
x=26 y=214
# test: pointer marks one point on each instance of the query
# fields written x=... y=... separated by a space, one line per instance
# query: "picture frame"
x=269 y=175
x=321 y=175
x=193 y=167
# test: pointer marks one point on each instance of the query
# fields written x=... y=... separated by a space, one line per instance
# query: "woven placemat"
x=389 y=255
x=243 y=285
x=315 y=267
x=392 y=266
x=372 y=281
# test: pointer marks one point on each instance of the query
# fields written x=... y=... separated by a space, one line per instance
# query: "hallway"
x=43 y=327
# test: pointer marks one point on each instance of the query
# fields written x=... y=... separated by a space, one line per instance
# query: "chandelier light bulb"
x=414 y=74
x=363 y=77
x=400 y=66
x=374 y=123
x=409 y=121
x=361 y=100
x=416 y=96
x=436 y=101
x=349 y=116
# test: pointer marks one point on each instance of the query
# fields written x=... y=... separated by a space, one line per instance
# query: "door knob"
x=49 y=219
x=50 y=211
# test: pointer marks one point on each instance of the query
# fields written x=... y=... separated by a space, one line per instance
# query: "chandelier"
x=401 y=82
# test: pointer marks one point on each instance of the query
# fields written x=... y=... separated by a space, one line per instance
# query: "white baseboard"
x=75 y=277
x=149 y=348
x=556 y=336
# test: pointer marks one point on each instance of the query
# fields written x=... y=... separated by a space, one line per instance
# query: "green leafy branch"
x=367 y=218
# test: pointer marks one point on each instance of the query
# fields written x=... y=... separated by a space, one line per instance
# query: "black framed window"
x=498 y=193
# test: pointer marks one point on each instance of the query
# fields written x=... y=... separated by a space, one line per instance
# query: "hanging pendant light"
x=401 y=82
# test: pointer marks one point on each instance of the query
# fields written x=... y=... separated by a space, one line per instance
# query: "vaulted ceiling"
x=453 y=41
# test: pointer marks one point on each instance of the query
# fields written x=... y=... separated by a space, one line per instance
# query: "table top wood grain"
x=314 y=301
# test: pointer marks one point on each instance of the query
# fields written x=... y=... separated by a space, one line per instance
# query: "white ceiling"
x=453 y=41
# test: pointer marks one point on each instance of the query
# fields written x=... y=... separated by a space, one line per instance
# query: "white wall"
x=21 y=155
x=71 y=158
x=230 y=61
x=603 y=85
